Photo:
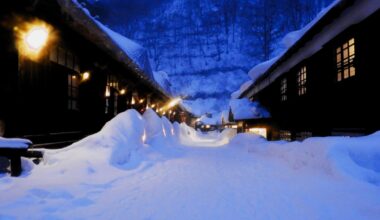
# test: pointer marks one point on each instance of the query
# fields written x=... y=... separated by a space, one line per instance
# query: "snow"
x=261 y=68
x=245 y=109
x=185 y=174
x=16 y=143
x=162 y=78
x=136 y=52
x=352 y=15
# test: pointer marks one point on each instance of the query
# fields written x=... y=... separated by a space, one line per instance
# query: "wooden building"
x=63 y=74
x=327 y=82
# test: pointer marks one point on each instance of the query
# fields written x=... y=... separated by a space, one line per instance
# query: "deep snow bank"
x=357 y=157
x=122 y=140
x=114 y=144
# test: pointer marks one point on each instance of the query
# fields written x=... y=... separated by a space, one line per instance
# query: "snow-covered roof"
x=136 y=52
x=162 y=78
x=119 y=47
x=214 y=120
x=245 y=109
x=302 y=44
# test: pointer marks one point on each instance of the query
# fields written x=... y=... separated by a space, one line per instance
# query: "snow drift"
x=357 y=157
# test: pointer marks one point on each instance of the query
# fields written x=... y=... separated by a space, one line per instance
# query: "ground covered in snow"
x=144 y=167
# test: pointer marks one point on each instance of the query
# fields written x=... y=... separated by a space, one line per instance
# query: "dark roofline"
x=327 y=18
x=88 y=28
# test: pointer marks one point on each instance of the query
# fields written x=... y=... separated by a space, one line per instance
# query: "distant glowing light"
x=174 y=102
x=152 y=106
x=123 y=91
x=141 y=101
x=108 y=91
x=86 y=76
x=258 y=131
x=133 y=101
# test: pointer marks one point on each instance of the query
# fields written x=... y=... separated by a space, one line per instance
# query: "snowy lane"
x=201 y=183
x=147 y=168
x=225 y=183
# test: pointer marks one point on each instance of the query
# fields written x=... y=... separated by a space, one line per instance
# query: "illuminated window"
x=259 y=131
x=284 y=89
x=112 y=87
x=72 y=92
x=345 y=56
x=301 y=81
x=285 y=135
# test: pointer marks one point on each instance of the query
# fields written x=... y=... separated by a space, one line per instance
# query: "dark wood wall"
x=34 y=94
x=330 y=106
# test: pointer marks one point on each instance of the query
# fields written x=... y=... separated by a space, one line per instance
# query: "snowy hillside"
x=207 y=47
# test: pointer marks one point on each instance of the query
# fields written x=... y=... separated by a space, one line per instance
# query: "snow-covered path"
x=199 y=183
x=246 y=178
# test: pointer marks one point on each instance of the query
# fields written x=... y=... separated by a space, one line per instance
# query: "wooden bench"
x=14 y=149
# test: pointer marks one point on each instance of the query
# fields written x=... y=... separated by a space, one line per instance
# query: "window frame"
x=302 y=81
x=72 y=91
x=284 y=89
x=345 y=55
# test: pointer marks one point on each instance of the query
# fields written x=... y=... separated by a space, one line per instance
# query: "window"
x=73 y=83
x=345 y=56
x=112 y=88
x=285 y=135
x=284 y=89
x=301 y=81
x=64 y=58
x=300 y=136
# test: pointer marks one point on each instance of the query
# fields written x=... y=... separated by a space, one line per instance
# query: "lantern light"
x=36 y=38
x=174 y=102
x=123 y=91
x=108 y=91
x=33 y=38
x=141 y=101
x=85 y=76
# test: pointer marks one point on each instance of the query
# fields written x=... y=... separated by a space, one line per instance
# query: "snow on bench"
x=14 y=149
x=14 y=143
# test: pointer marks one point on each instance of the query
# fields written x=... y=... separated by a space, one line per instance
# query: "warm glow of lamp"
x=152 y=106
x=32 y=38
x=36 y=38
x=259 y=131
x=108 y=91
x=174 y=102
x=141 y=101
x=85 y=76
x=123 y=91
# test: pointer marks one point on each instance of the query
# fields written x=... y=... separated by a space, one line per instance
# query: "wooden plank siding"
x=34 y=94
x=331 y=107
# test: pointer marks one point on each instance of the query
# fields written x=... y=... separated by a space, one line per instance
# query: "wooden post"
x=15 y=165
